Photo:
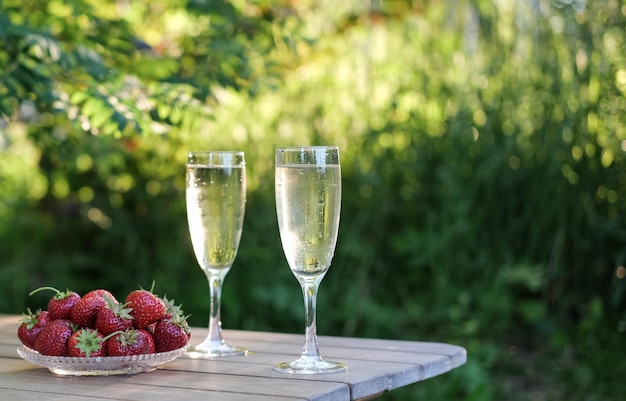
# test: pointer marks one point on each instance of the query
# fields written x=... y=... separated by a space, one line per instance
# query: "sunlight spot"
x=121 y=183
x=592 y=122
x=515 y=162
x=365 y=191
x=569 y=173
x=607 y=158
x=240 y=134
x=620 y=272
x=84 y=162
x=593 y=91
x=620 y=80
x=459 y=59
x=480 y=118
x=37 y=187
x=557 y=23
x=385 y=140
x=577 y=152
x=508 y=127
x=480 y=81
x=60 y=187
x=153 y=187
x=568 y=135
x=611 y=196
x=99 y=218
x=85 y=194
x=581 y=60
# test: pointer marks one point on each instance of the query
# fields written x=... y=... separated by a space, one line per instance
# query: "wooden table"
x=375 y=366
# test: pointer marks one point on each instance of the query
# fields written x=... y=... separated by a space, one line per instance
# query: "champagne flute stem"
x=215 y=322
x=309 y=291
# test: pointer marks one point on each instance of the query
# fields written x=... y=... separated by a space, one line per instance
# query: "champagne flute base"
x=215 y=349
x=306 y=365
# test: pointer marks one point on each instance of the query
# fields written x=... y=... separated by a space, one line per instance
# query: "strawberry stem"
x=45 y=288
x=111 y=335
x=57 y=294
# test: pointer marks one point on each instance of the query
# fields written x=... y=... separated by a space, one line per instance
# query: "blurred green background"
x=483 y=156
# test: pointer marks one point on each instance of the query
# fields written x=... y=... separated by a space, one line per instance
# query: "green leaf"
x=79 y=97
x=92 y=105
x=163 y=110
x=98 y=119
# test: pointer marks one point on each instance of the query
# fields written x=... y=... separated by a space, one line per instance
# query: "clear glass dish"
x=100 y=366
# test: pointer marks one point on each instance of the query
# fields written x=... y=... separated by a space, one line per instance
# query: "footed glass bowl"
x=100 y=366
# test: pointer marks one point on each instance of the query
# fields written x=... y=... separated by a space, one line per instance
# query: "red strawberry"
x=147 y=308
x=52 y=340
x=131 y=342
x=171 y=333
x=86 y=342
x=99 y=293
x=32 y=324
x=61 y=304
x=113 y=317
x=85 y=311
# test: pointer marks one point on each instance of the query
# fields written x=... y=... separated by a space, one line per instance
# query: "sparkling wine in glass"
x=216 y=199
x=308 y=204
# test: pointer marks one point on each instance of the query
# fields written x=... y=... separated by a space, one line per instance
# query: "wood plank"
x=293 y=342
x=9 y=351
x=346 y=342
x=39 y=384
x=442 y=359
x=400 y=367
x=20 y=374
x=9 y=323
x=33 y=395
x=364 y=378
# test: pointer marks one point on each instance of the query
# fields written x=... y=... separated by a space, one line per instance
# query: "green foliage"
x=482 y=157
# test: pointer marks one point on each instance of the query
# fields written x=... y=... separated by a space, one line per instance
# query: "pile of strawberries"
x=97 y=324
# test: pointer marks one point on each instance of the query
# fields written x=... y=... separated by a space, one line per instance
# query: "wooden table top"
x=375 y=366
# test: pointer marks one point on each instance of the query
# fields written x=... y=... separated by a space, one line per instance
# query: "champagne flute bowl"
x=216 y=198
x=308 y=205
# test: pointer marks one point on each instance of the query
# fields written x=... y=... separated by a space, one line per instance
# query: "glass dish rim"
x=100 y=366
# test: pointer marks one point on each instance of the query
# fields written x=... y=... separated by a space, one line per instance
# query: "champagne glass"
x=216 y=199
x=308 y=204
